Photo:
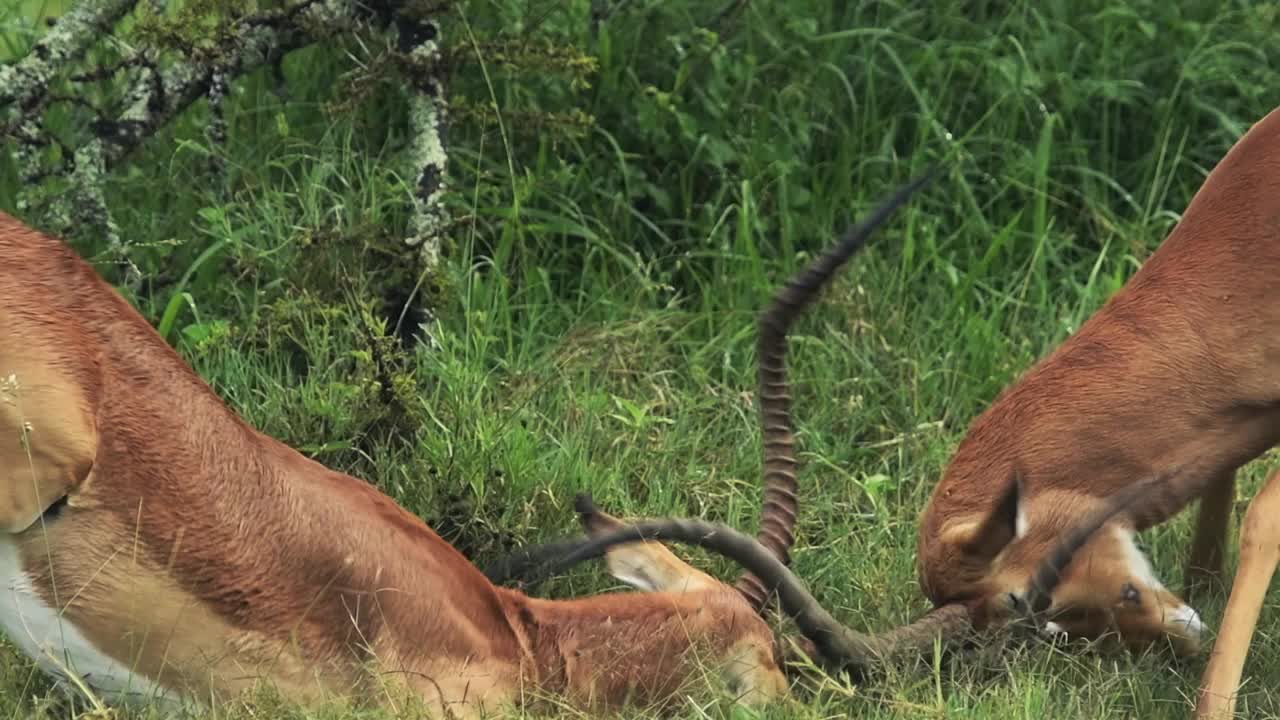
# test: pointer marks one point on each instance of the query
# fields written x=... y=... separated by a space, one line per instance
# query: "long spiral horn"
x=778 y=513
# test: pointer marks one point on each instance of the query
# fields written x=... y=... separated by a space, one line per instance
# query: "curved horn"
x=524 y=563
x=778 y=514
x=838 y=645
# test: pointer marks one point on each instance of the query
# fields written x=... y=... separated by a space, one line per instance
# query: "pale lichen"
x=428 y=157
x=419 y=43
x=91 y=210
x=23 y=83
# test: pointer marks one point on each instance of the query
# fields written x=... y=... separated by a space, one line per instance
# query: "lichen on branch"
x=109 y=74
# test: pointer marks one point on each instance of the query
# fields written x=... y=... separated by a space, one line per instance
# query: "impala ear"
x=644 y=565
x=986 y=536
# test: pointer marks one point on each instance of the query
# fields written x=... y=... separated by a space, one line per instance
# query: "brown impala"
x=156 y=546
x=1177 y=369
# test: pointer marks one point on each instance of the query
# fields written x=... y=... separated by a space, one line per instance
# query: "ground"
x=597 y=298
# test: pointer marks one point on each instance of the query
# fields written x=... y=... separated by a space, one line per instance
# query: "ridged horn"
x=523 y=563
x=778 y=513
x=837 y=645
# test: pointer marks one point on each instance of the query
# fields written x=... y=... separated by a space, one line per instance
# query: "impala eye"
x=1130 y=595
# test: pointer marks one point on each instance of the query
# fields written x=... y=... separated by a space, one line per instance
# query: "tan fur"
x=651 y=565
x=1181 y=368
x=46 y=470
x=208 y=556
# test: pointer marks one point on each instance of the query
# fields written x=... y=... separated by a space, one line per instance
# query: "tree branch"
x=24 y=83
x=172 y=70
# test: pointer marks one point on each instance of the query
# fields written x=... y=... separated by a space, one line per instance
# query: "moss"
x=436 y=285
x=537 y=55
x=196 y=26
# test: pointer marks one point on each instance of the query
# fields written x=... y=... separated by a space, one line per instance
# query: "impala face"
x=752 y=670
x=1110 y=588
x=987 y=562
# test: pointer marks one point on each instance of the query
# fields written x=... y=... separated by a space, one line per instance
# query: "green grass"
x=598 y=298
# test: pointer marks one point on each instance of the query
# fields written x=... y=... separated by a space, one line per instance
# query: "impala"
x=1180 y=369
x=155 y=546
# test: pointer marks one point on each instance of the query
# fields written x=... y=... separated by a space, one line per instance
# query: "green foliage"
x=596 y=306
x=194 y=26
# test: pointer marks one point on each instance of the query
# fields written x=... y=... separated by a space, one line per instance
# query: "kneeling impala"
x=1181 y=367
x=156 y=546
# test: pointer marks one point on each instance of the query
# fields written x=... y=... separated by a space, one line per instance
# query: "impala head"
x=1013 y=564
x=651 y=641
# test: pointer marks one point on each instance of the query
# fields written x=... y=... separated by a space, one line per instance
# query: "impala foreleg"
x=1259 y=553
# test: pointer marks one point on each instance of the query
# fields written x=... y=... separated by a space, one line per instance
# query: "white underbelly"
x=58 y=647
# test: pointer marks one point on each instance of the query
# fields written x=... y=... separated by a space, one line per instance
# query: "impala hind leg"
x=1208 y=549
x=1259 y=553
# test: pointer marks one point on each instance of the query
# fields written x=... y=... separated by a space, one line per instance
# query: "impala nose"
x=1184 y=623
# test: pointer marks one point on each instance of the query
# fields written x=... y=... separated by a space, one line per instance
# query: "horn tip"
x=584 y=504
